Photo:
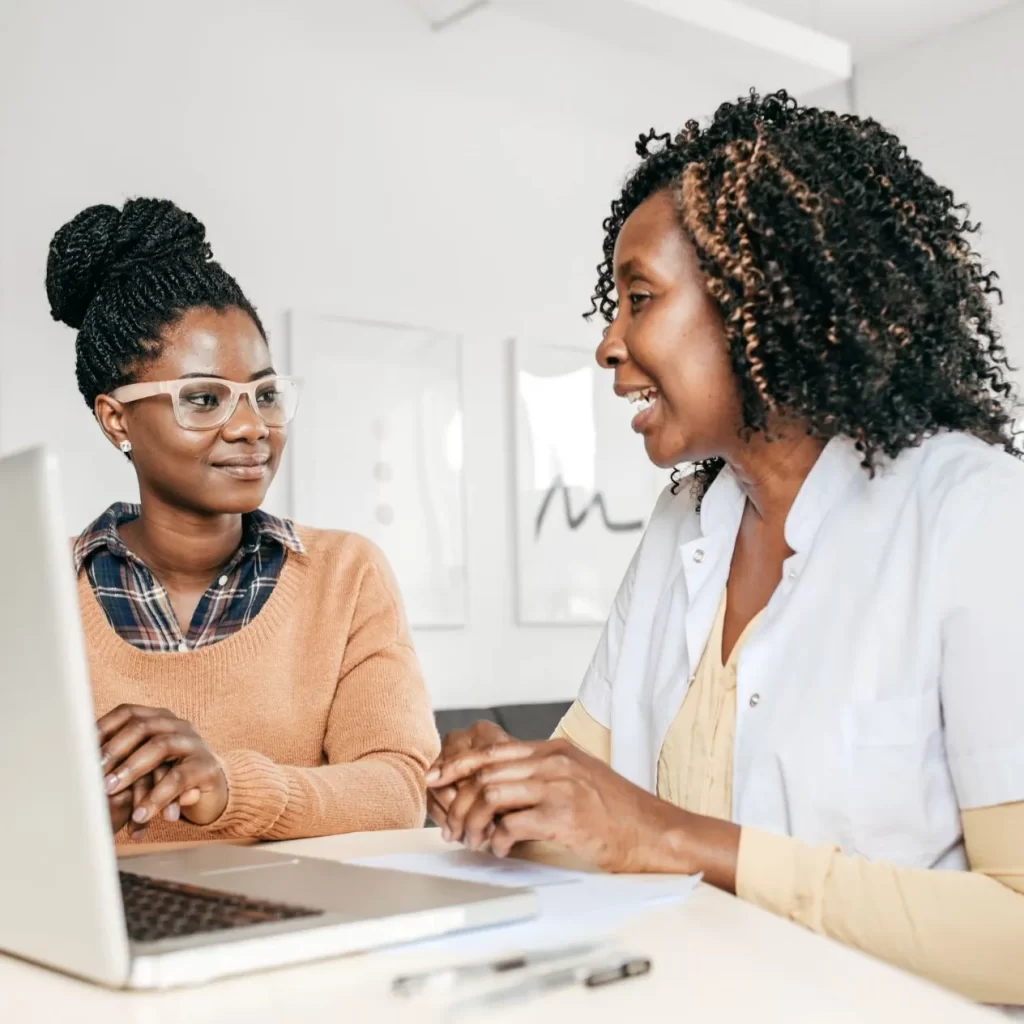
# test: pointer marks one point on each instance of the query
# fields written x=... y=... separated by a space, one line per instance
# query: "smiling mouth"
x=247 y=467
x=642 y=399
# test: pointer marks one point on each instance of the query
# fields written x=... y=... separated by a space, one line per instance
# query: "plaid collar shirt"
x=137 y=605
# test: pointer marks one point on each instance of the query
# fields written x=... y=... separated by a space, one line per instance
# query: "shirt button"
x=183 y=647
x=755 y=699
x=222 y=581
x=698 y=555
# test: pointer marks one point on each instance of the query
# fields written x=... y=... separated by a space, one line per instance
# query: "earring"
x=125 y=446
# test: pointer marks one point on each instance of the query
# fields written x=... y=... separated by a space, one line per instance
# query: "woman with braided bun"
x=810 y=685
x=251 y=678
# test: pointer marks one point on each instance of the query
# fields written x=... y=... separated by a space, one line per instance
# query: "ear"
x=110 y=414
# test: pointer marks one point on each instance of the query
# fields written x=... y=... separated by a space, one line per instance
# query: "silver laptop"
x=178 y=918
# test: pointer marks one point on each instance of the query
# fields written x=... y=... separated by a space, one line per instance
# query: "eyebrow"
x=629 y=268
x=259 y=375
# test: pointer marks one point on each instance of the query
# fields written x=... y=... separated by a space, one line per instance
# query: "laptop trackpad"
x=202 y=865
x=238 y=868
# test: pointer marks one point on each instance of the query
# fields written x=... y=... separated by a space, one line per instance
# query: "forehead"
x=224 y=343
x=652 y=232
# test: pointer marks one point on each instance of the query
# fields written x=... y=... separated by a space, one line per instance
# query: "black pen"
x=443 y=977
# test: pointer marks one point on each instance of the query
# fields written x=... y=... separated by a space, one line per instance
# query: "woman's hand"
x=121 y=805
x=136 y=742
x=120 y=808
x=479 y=735
x=553 y=791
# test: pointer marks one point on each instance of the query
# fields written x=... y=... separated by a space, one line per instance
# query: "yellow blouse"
x=695 y=766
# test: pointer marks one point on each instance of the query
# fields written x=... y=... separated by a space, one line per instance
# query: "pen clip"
x=631 y=968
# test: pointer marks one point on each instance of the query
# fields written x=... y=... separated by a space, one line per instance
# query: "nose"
x=245 y=423
x=612 y=351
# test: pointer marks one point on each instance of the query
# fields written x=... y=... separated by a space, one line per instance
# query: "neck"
x=181 y=544
x=771 y=472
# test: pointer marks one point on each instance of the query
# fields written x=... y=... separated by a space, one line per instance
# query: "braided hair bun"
x=103 y=244
x=121 y=277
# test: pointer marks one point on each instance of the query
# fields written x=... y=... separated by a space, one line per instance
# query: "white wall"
x=838 y=97
x=954 y=99
x=345 y=161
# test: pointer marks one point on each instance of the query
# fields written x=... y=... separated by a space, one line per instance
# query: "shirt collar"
x=722 y=503
x=258 y=528
x=102 y=533
x=837 y=466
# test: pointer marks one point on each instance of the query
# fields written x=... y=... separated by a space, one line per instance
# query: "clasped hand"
x=154 y=763
x=488 y=787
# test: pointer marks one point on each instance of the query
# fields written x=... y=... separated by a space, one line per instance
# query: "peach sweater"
x=316 y=709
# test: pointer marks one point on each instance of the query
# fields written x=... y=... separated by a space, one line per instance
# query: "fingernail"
x=432 y=776
x=140 y=814
x=172 y=813
x=446 y=833
x=111 y=783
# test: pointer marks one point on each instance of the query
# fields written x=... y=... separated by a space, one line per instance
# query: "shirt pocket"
x=895 y=770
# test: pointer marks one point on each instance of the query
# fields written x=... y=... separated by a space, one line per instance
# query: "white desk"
x=715 y=959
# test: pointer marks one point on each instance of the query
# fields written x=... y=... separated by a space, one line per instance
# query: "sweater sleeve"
x=584 y=732
x=380 y=740
x=962 y=929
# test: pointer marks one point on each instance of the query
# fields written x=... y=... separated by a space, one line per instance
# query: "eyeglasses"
x=205 y=403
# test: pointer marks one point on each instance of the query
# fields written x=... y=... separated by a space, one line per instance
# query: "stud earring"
x=126 y=446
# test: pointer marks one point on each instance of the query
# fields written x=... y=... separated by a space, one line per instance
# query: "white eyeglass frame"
x=150 y=389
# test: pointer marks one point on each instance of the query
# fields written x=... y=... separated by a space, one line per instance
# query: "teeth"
x=646 y=397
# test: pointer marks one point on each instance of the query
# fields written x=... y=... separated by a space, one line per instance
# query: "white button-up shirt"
x=883 y=688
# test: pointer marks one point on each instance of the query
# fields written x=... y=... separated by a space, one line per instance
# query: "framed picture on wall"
x=377 y=450
x=583 y=485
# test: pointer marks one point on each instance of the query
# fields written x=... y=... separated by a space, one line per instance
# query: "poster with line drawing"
x=584 y=486
x=377 y=449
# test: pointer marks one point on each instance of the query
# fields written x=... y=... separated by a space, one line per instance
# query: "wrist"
x=688 y=843
x=207 y=810
x=207 y=801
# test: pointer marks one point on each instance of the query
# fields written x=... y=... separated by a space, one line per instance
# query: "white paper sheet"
x=467 y=866
x=573 y=906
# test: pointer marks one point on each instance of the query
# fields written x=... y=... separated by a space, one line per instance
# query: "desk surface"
x=715 y=958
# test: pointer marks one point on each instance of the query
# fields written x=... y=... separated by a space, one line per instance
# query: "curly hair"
x=121 y=277
x=851 y=295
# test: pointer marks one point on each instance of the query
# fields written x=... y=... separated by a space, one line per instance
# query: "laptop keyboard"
x=155 y=910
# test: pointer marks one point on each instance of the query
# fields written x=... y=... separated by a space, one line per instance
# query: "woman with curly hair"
x=809 y=687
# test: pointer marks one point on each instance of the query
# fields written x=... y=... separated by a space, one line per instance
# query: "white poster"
x=377 y=450
x=584 y=485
